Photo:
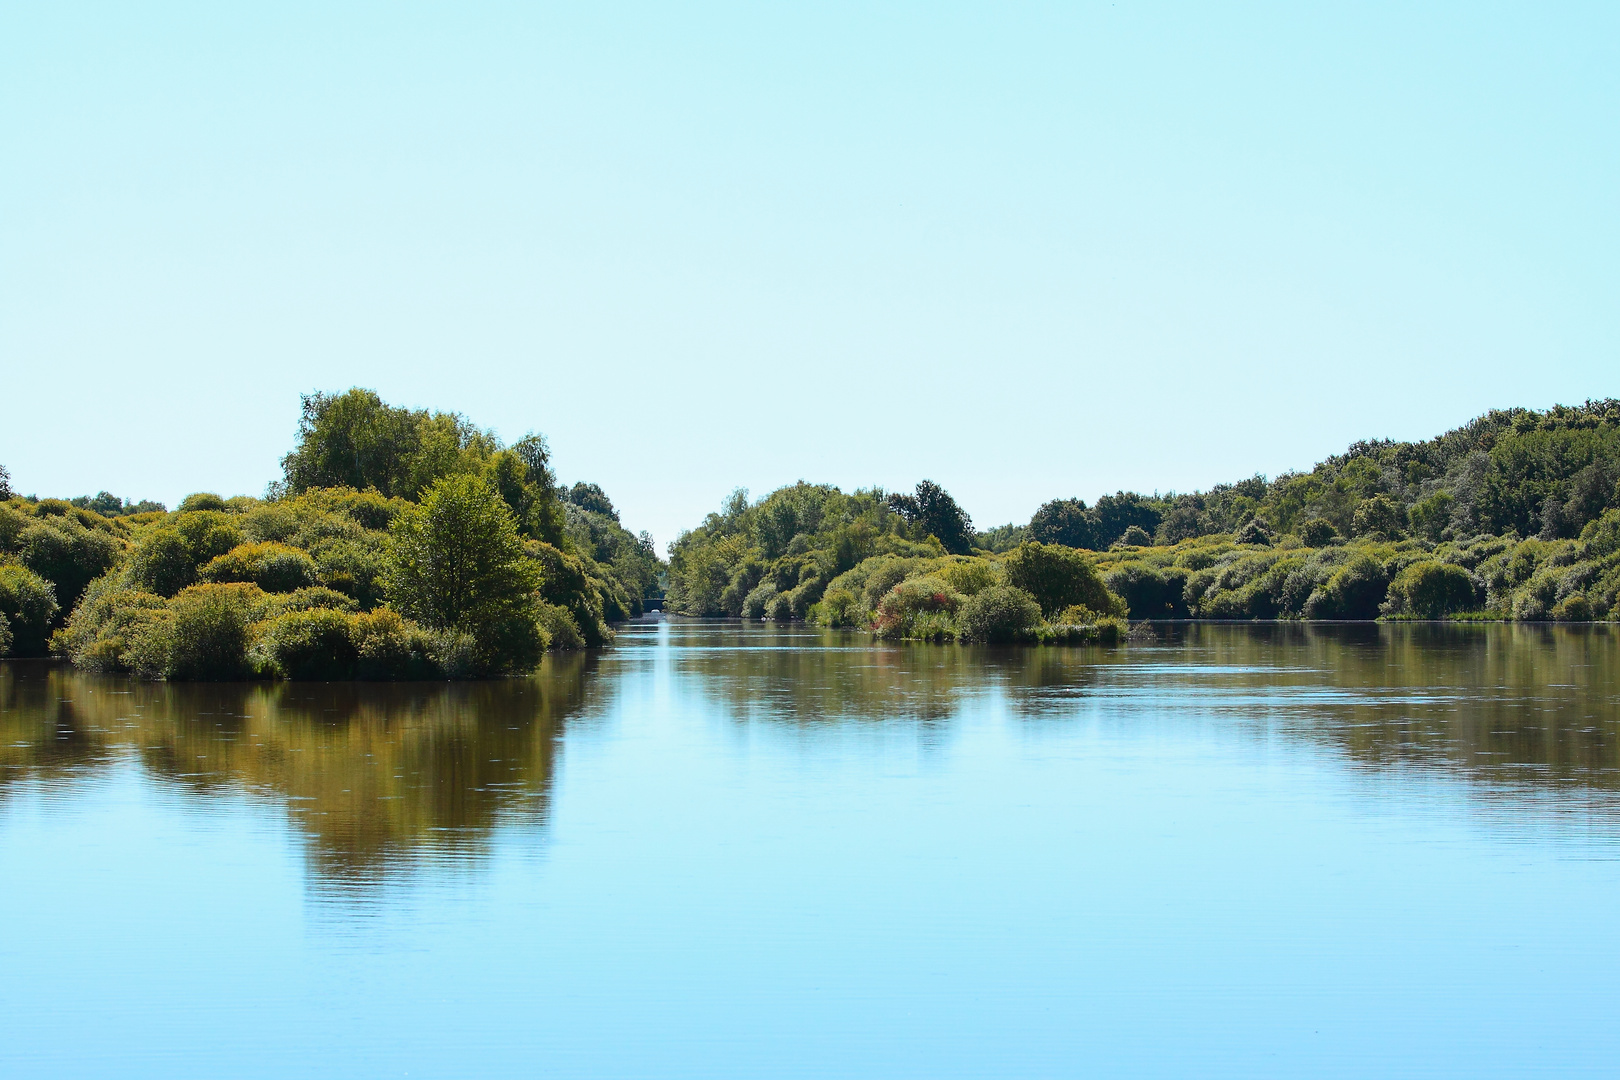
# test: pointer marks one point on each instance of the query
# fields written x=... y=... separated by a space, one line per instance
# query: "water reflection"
x=1512 y=704
x=373 y=775
x=380 y=777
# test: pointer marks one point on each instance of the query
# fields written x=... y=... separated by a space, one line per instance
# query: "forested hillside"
x=398 y=544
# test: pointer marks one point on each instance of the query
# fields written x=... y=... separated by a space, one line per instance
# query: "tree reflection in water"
x=379 y=775
x=375 y=775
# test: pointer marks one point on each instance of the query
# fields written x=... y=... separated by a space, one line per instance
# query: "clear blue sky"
x=1024 y=251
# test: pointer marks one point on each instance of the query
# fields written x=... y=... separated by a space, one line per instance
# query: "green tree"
x=932 y=512
x=1059 y=577
x=456 y=562
x=1064 y=521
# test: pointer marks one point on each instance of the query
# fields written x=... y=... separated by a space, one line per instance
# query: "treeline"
x=899 y=564
x=398 y=544
x=1515 y=515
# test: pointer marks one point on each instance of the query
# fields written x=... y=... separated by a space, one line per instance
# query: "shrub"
x=1573 y=608
x=971 y=576
x=1149 y=592
x=561 y=631
x=5 y=636
x=1001 y=613
x=1136 y=536
x=208 y=634
x=1317 y=532
x=457 y=564
x=1601 y=536
x=103 y=628
x=28 y=603
x=312 y=644
x=840 y=608
x=1354 y=592
x=755 y=603
x=202 y=500
x=389 y=647
x=1058 y=577
x=898 y=612
x=68 y=555
x=780 y=608
x=1431 y=590
x=1254 y=531
x=273 y=567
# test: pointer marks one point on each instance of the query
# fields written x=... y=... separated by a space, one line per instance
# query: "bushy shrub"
x=312 y=644
x=1355 y=592
x=1148 y=591
x=1254 y=531
x=207 y=634
x=971 y=576
x=29 y=605
x=273 y=567
x=1573 y=608
x=68 y=555
x=780 y=607
x=1079 y=625
x=202 y=500
x=388 y=647
x=167 y=557
x=758 y=600
x=899 y=611
x=105 y=626
x=1431 y=590
x=561 y=631
x=1058 y=577
x=999 y=614
x=457 y=563
x=1317 y=532
x=840 y=608
x=5 y=636
x=1136 y=536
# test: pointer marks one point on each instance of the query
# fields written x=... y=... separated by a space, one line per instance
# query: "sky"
x=1027 y=251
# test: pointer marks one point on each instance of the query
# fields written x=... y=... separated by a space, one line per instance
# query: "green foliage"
x=202 y=500
x=205 y=636
x=68 y=555
x=1355 y=591
x=457 y=563
x=28 y=604
x=930 y=511
x=1136 y=536
x=921 y=608
x=999 y=614
x=1059 y=577
x=273 y=567
x=592 y=498
x=1431 y=590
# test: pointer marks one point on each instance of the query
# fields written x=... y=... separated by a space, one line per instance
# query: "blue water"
x=715 y=851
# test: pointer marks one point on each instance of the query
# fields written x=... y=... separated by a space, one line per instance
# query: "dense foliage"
x=459 y=557
x=1515 y=515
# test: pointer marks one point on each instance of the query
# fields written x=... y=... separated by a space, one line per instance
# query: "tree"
x=456 y=563
x=591 y=497
x=932 y=512
x=1063 y=521
x=357 y=440
x=5 y=485
x=1059 y=577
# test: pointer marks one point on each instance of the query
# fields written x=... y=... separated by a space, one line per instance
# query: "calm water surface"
x=724 y=851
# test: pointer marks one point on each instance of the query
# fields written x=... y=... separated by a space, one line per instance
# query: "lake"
x=718 y=850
